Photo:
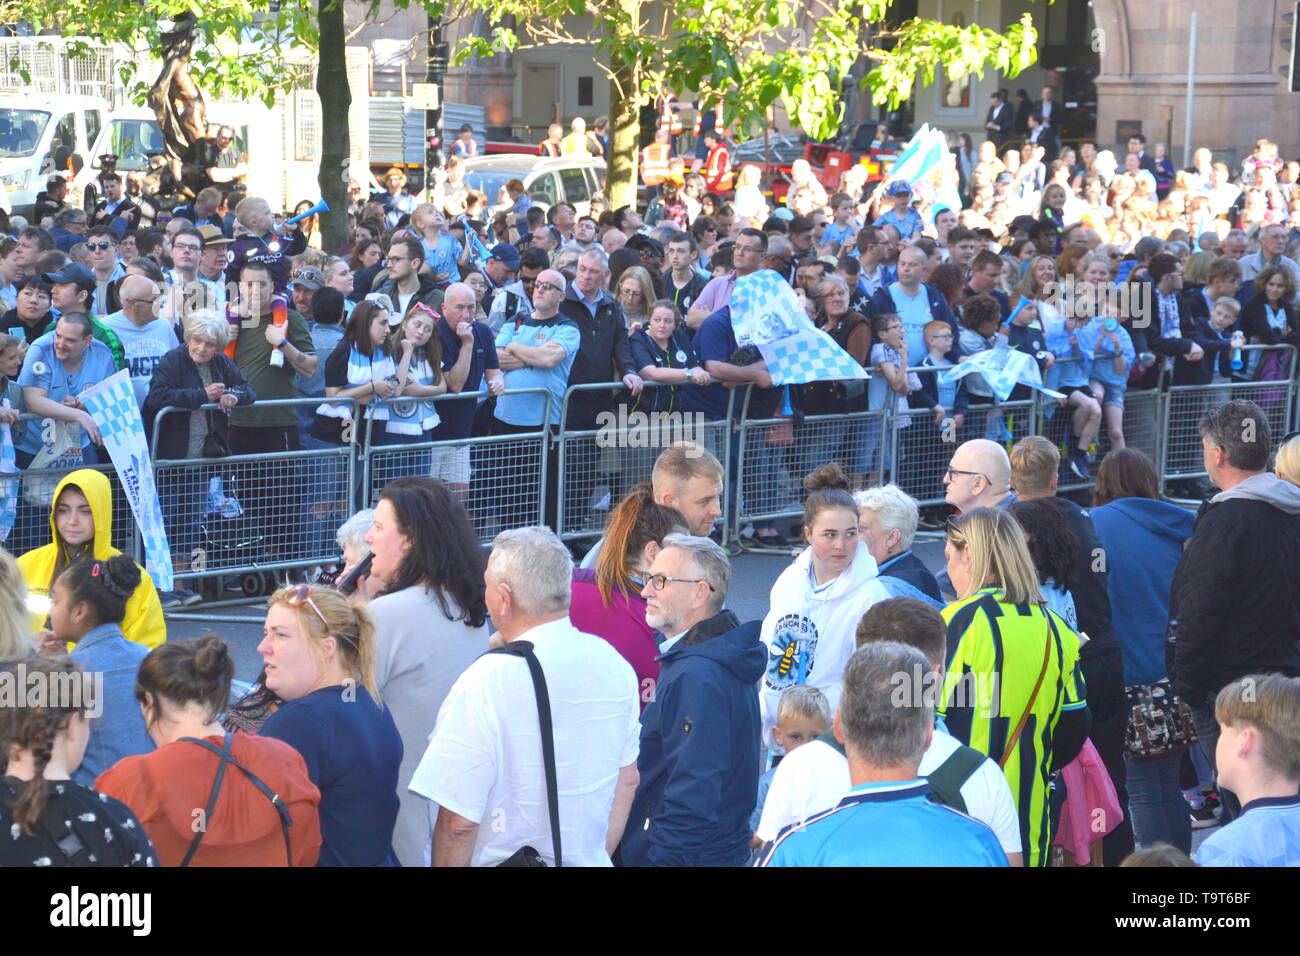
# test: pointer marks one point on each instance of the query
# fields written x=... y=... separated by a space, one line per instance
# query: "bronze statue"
x=181 y=112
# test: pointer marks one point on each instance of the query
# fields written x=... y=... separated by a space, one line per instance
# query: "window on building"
x=956 y=79
x=586 y=91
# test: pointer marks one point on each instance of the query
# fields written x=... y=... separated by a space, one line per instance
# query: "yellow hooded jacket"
x=143 y=622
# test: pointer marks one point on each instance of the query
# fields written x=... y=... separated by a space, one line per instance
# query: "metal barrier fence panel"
x=500 y=479
x=923 y=449
x=1182 y=457
x=1140 y=425
x=254 y=513
x=774 y=455
x=34 y=489
x=598 y=466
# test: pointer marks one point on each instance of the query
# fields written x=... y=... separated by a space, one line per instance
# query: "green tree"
x=754 y=52
x=244 y=50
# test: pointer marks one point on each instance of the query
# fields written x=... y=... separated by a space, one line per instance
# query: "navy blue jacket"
x=908 y=567
x=699 y=761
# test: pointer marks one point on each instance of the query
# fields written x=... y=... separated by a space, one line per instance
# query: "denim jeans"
x=1207 y=732
x=1155 y=802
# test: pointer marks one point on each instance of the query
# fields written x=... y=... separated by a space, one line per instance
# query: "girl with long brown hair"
x=606 y=600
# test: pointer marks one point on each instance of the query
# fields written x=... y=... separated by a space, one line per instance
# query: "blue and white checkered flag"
x=1002 y=368
x=112 y=405
x=765 y=312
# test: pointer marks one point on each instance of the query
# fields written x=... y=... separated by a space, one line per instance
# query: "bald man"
x=469 y=362
x=536 y=353
x=146 y=337
x=613 y=240
x=979 y=476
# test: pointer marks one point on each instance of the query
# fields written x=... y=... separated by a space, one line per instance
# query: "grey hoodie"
x=1268 y=488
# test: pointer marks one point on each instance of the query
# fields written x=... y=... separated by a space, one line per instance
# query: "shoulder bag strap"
x=524 y=649
x=224 y=754
x=286 y=819
x=1047 y=654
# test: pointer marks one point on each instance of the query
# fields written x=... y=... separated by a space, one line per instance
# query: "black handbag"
x=527 y=855
x=286 y=820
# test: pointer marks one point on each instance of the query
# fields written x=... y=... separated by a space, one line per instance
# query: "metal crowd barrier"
x=500 y=479
x=1182 y=458
x=598 y=466
x=250 y=516
x=34 y=488
x=272 y=512
x=773 y=454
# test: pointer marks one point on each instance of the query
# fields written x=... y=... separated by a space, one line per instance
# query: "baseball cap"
x=1005 y=178
x=900 y=187
x=505 y=252
x=72 y=272
x=212 y=236
x=782 y=212
x=308 y=277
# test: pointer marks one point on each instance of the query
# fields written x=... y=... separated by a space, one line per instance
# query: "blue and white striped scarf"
x=409 y=416
x=363 y=369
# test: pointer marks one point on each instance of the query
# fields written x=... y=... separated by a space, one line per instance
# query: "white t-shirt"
x=484 y=760
x=815 y=777
x=144 y=347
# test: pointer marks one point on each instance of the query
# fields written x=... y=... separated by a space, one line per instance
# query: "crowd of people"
x=1022 y=707
x=1148 y=675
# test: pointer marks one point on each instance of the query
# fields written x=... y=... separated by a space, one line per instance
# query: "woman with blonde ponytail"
x=606 y=600
x=45 y=818
x=318 y=651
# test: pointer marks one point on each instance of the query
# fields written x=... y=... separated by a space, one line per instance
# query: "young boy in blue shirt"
x=843 y=229
x=802 y=714
x=1258 y=758
x=902 y=217
x=1071 y=340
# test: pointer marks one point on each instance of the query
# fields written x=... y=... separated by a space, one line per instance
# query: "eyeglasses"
x=547 y=286
x=527 y=280
x=187 y=246
x=101 y=246
x=957 y=471
x=400 y=259
x=659 y=581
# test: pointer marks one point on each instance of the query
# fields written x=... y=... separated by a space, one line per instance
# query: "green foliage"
x=240 y=49
x=757 y=51
x=922 y=44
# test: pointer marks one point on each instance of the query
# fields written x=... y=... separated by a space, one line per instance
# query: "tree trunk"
x=336 y=101
x=624 y=123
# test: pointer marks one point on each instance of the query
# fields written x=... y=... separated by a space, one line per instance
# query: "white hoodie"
x=821 y=625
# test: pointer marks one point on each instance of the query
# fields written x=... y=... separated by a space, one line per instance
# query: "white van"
x=132 y=134
x=42 y=135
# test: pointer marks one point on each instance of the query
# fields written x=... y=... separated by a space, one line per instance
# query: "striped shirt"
x=886 y=824
x=996 y=653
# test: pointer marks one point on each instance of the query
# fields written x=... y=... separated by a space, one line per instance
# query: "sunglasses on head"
x=300 y=596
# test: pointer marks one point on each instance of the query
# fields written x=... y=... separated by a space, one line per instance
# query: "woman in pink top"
x=607 y=599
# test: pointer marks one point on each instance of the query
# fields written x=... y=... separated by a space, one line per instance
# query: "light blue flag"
x=113 y=407
x=9 y=481
x=477 y=251
x=923 y=155
x=1002 y=368
x=766 y=313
